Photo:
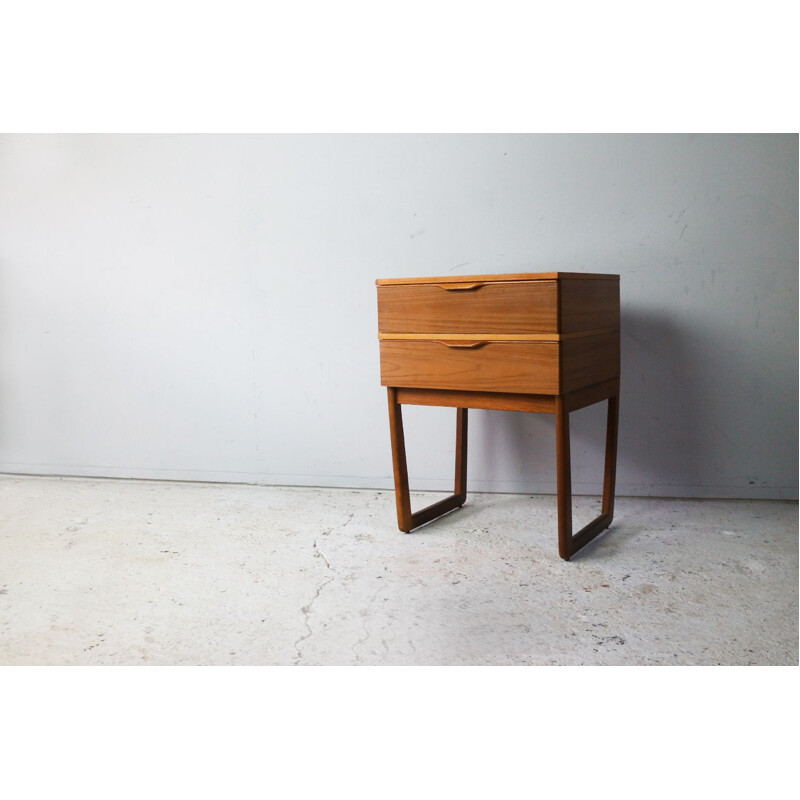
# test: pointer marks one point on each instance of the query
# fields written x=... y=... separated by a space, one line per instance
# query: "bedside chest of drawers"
x=546 y=342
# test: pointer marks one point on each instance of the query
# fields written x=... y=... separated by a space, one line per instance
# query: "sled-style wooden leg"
x=406 y=520
x=568 y=544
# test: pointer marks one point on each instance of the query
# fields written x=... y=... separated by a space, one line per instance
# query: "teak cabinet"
x=546 y=342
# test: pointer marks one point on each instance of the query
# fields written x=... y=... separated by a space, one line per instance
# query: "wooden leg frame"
x=568 y=544
x=406 y=520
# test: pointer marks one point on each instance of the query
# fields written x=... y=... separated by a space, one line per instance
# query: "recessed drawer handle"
x=465 y=345
x=459 y=287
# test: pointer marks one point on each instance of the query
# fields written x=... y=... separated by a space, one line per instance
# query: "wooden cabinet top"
x=518 y=276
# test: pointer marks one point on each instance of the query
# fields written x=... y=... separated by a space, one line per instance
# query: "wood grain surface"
x=587 y=305
x=589 y=360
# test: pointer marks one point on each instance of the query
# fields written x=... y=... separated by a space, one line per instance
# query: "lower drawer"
x=525 y=367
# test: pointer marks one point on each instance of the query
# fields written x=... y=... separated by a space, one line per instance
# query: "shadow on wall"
x=672 y=433
x=660 y=411
x=667 y=429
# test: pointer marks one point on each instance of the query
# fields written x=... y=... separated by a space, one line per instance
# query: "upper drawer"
x=490 y=307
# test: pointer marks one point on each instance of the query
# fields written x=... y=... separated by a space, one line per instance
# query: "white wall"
x=203 y=307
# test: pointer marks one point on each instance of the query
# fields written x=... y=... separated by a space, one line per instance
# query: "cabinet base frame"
x=560 y=405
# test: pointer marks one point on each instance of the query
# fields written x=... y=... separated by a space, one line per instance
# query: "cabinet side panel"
x=587 y=305
x=589 y=360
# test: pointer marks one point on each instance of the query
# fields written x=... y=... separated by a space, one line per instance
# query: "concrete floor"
x=105 y=572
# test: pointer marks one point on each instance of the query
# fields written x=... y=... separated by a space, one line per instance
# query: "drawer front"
x=521 y=367
x=494 y=307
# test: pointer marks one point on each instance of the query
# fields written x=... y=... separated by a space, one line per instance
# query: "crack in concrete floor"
x=182 y=573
